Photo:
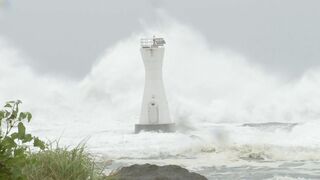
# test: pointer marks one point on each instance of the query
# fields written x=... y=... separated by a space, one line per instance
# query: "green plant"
x=56 y=163
x=14 y=141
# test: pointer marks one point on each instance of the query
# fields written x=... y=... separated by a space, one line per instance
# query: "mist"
x=66 y=38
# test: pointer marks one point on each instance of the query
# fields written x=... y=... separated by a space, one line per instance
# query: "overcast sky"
x=67 y=36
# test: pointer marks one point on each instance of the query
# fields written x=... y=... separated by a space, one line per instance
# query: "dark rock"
x=154 y=172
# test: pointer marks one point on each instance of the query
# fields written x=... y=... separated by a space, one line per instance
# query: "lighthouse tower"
x=155 y=114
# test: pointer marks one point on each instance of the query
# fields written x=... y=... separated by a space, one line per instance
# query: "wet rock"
x=154 y=172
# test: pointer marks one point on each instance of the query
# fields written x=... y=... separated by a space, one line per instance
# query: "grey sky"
x=66 y=37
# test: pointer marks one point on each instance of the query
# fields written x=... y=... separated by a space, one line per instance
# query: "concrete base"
x=155 y=127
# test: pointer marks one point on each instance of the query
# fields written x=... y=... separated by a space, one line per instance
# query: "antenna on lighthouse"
x=154 y=114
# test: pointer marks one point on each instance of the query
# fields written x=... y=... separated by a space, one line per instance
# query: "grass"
x=62 y=164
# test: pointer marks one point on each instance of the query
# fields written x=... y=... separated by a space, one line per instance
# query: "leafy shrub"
x=62 y=164
x=50 y=163
x=14 y=141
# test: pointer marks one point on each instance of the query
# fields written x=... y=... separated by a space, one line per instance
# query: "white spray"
x=205 y=87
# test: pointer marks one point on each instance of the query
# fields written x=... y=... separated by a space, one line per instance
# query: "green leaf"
x=21 y=130
x=8 y=105
x=29 y=116
x=1 y=114
x=22 y=116
x=8 y=142
x=38 y=143
x=14 y=135
x=27 y=138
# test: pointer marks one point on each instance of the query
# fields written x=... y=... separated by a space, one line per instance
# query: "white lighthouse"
x=155 y=114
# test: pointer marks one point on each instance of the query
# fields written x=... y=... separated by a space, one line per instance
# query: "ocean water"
x=235 y=120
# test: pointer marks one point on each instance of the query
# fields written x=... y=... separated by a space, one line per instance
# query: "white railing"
x=150 y=43
x=146 y=43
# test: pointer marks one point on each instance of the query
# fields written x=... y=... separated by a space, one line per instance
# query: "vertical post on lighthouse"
x=155 y=114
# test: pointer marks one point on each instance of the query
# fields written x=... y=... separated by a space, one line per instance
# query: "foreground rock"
x=154 y=172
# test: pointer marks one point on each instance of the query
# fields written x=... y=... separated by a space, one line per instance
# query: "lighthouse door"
x=153 y=113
